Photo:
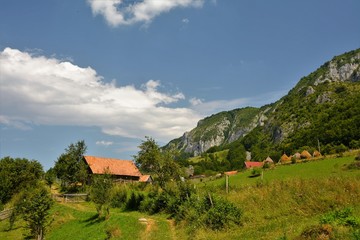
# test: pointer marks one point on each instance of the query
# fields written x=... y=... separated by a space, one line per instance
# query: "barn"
x=121 y=170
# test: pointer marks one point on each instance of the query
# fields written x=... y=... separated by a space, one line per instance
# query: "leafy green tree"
x=50 y=177
x=100 y=193
x=151 y=159
x=34 y=207
x=70 y=167
x=17 y=174
x=236 y=155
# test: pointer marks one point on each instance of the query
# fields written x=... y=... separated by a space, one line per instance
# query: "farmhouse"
x=249 y=165
x=146 y=179
x=124 y=170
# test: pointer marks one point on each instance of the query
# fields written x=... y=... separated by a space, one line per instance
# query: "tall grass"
x=285 y=208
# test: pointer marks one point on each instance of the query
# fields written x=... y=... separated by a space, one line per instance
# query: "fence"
x=70 y=198
x=5 y=214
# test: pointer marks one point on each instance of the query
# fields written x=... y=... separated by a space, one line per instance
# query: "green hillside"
x=316 y=198
x=321 y=111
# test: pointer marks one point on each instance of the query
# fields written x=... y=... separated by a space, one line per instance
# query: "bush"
x=255 y=172
x=340 y=217
x=208 y=212
x=354 y=165
x=119 y=197
x=134 y=202
x=317 y=232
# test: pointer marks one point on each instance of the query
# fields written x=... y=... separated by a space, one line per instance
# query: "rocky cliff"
x=294 y=117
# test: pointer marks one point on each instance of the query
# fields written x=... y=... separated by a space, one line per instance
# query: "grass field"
x=288 y=200
x=308 y=170
x=79 y=221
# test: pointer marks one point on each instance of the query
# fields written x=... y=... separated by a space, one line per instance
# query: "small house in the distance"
x=146 y=179
x=121 y=170
x=250 y=165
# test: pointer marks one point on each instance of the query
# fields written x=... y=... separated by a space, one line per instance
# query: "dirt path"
x=150 y=227
x=172 y=228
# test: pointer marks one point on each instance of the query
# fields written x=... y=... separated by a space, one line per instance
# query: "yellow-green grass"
x=318 y=169
x=286 y=207
x=288 y=200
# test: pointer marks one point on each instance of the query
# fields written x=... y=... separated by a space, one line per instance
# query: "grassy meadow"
x=288 y=201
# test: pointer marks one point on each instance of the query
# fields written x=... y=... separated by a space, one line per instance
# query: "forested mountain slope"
x=323 y=108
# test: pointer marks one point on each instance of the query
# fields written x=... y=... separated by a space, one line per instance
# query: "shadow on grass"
x=8 y=229
x=93 y=220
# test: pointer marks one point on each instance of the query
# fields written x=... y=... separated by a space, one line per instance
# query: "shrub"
x=317 y=232
x=340 y=217
x=255 y=172
x=354 y=165
x=133 y=203
x=119 y=197
x=209 y=212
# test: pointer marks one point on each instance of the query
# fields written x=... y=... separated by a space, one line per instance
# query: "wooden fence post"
x=227 y=183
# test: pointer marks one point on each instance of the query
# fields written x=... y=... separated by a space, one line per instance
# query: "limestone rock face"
x=281 y=119
x=339 y=71
x=323 y=98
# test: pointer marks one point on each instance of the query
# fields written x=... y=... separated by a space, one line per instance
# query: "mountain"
x=322 y=109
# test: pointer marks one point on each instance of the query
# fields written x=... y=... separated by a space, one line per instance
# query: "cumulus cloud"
x=119 y=12
x=48 y=91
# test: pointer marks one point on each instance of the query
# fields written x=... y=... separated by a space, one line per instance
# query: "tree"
x=100 y=192
x=152 y=160
x=50 y=177
x=17 y=174
x=70 y=167
x=236 y=155
x=34 y=206
x=148 y=158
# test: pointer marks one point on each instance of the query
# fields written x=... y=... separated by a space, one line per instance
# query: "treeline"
x=22 y=186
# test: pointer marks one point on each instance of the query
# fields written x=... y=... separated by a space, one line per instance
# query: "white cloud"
x=104 y=143
x=41 y=90
x=195 y=101
x=118 y=12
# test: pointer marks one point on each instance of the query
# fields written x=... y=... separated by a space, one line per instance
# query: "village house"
x=121 y=170
x=250 y=165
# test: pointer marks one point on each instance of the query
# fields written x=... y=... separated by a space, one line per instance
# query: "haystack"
x=316 y=154
x=305 y=154
x=297 y=156
x=268 y=160
x=285 y=158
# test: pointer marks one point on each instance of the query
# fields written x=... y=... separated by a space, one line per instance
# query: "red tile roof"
x=253 y=164
x=230 y=173
x=145 y=178
x=116 y=167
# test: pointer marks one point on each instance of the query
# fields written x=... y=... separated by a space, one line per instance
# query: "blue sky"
x=111 y=72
